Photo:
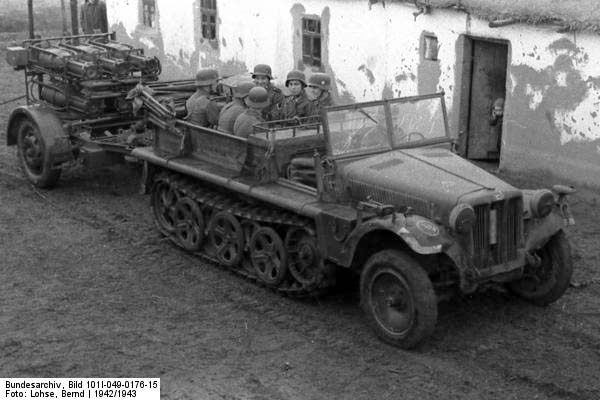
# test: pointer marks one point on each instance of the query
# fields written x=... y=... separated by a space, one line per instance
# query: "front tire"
x=34 y=155
x=548 y=282
x=398 y=298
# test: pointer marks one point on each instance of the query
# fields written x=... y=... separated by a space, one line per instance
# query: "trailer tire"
x=398 y=298
x=34 y=155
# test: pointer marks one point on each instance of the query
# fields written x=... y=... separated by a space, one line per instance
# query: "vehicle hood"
x=429 y=180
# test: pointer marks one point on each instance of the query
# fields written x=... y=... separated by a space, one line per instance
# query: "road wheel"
x=189 y=224
x=163 y=199
x=303 y=257
x=268 y=256
x=398 y=298
x=34 y=156
x=226 y=237
x=547 y=282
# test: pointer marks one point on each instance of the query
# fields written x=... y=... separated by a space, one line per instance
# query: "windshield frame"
x=388 y=118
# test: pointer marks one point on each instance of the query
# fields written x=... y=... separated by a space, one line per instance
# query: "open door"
x=487 y=85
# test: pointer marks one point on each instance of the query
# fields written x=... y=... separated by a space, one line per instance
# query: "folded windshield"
x=385 y=125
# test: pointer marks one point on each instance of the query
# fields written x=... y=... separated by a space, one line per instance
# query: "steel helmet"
x=258 y=97
x=242 y=89
x=206 y=76
x=320 y=80
x=296 y=75
x=262 y=70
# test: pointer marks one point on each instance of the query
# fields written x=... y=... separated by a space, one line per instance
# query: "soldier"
x=257 y=100
x=232 y=110
x=496 y=121
x=318 y=87
x=262 y=77
x=93 y=17
x=296 y=105
x=199 y=103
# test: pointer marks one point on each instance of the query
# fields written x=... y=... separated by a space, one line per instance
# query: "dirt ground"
x=89 y=289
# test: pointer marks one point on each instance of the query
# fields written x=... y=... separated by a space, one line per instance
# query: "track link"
x=212 y=200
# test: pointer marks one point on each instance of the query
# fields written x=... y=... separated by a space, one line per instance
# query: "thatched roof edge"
x=575 y=15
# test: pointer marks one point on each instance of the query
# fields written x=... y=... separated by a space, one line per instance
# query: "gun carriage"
x=77 y=105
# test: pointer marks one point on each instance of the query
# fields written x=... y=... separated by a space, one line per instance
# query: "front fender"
x=50 y=126
x=540 y=230
x=420 y=234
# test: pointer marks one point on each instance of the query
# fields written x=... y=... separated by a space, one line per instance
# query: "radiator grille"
x=497 y=232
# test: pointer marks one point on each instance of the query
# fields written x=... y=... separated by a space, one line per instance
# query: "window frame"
x=208 y=8
x=309 y=58
x=143 y=19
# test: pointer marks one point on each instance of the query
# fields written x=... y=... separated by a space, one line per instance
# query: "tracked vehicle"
x=373 y=187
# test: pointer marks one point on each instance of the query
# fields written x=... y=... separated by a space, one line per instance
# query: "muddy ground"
x=89 y=289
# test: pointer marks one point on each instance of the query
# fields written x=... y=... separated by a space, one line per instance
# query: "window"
x=208 y=15
x=149 y=13
x=311 y=41
x=430 y=47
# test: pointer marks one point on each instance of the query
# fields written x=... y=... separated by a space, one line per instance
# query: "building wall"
x=553 y=82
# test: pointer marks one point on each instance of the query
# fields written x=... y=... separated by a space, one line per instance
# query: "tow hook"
x=561 y=192
x=533 y=260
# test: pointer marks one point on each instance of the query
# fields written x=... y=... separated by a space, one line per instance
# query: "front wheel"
x=547 y=282
x=398 y=298
x=34 y=156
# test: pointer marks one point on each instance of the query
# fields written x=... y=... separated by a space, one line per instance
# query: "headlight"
x=462 y=218
x=541 y=203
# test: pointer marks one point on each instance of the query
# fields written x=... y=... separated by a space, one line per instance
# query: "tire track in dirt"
x=333 y=324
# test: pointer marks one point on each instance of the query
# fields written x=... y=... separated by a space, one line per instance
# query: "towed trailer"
x=78 y=106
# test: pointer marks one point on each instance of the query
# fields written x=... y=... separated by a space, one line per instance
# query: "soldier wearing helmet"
x=232 y=110
x=262 y=76
x=256 y=101
x=296 y=105
x=318 y=91
x=199 y=104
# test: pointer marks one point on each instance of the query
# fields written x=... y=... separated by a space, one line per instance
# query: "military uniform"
x=243 y=126
x=197 y=106
x=316 y=105
x=275 y=99
x=294 y=106
x=229 y=114
x=93 y=17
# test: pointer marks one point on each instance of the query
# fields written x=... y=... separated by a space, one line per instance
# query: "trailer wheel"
x=549 y=281
x=34 y=156
x=398 y=298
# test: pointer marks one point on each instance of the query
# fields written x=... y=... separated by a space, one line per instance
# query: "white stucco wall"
x=553 y=91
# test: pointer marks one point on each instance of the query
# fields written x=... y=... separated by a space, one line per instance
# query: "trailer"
x=78 y=106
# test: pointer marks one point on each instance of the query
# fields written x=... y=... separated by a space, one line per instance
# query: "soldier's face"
x=261 y=80
x=295 y=87
x=313 y=92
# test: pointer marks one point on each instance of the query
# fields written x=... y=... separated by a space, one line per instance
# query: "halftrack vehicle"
x=374 y=187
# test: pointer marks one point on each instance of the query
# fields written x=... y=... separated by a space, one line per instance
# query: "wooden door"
x=488 y=83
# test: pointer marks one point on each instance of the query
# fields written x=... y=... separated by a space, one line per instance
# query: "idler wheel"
x=268 y=256
x=227 y=238
x=189 y=224
x=164 y=197
x=303 y=257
